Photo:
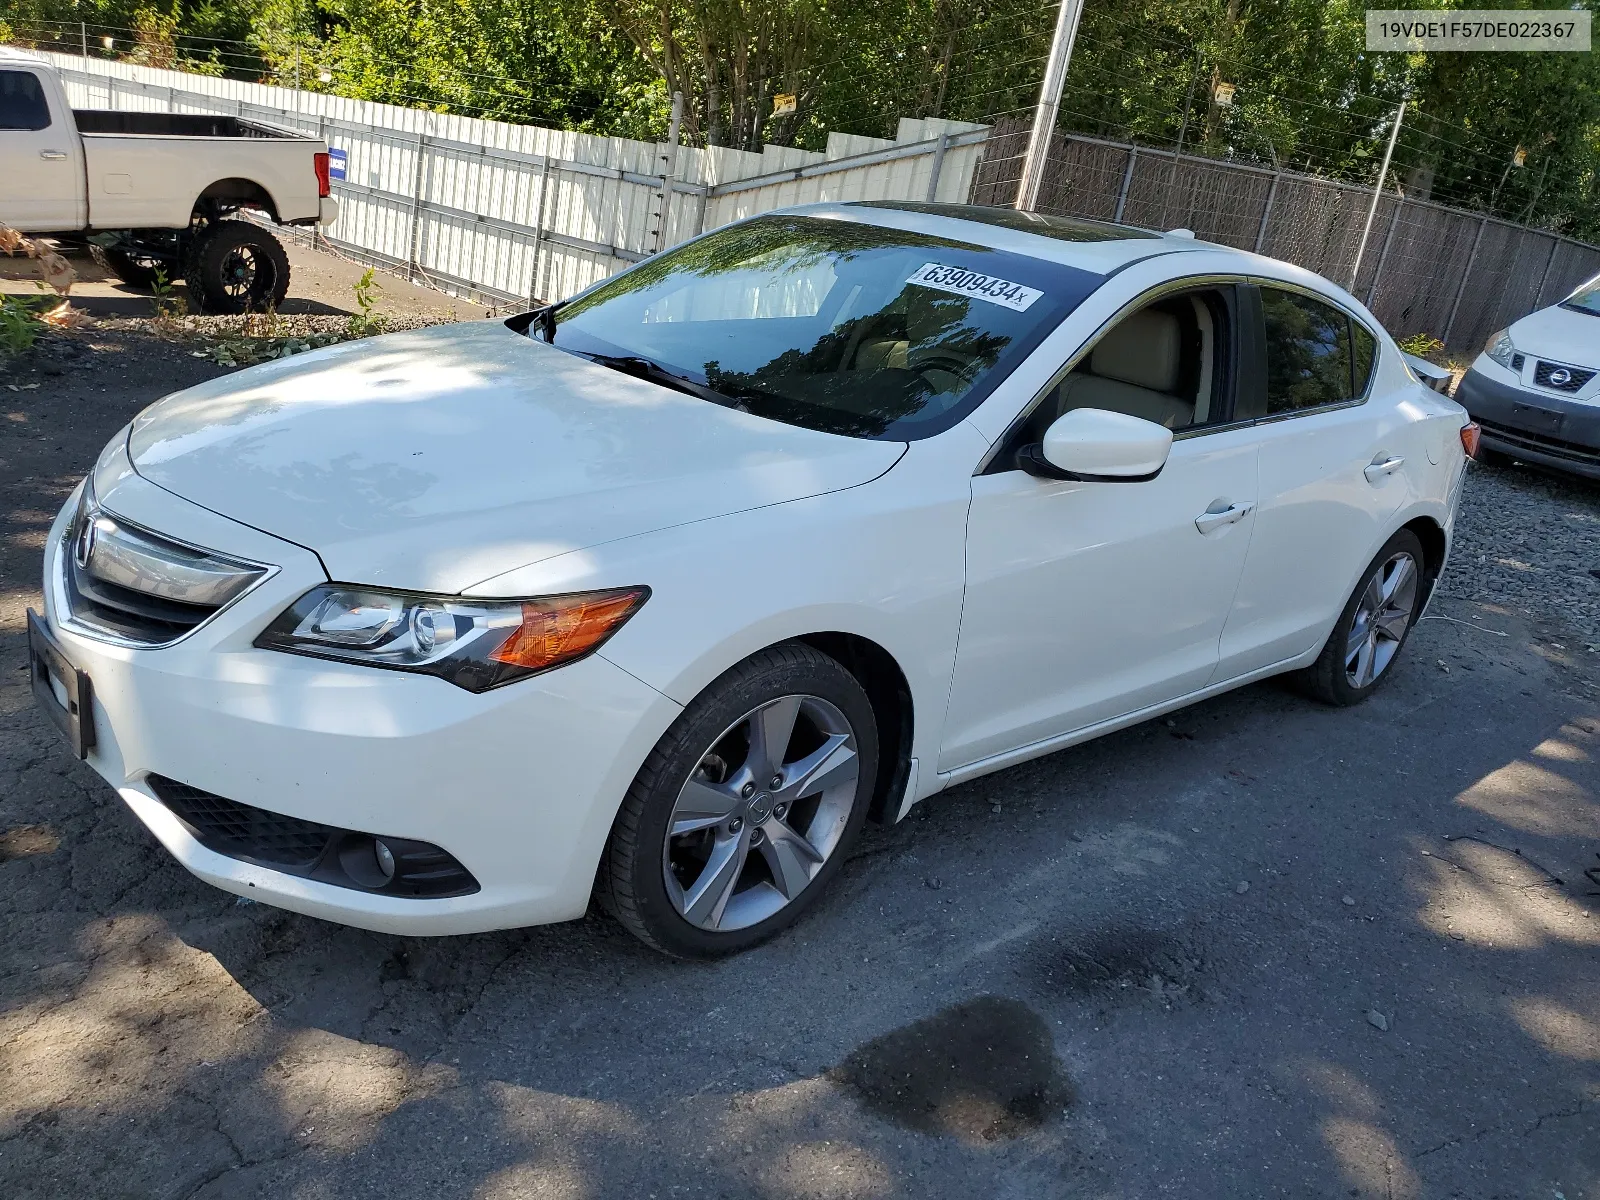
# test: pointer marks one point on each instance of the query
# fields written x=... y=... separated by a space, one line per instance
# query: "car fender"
x=884 y=561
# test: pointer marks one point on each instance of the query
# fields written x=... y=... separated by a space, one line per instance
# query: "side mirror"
x=1096 y=446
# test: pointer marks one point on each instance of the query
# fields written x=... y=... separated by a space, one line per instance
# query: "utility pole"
x=1377 y=190
x=1044 y=117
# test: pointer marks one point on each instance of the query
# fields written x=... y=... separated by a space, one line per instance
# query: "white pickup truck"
x=150 y=191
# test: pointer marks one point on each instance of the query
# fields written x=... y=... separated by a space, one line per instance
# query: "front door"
x=41 y=158
x=1089 y=601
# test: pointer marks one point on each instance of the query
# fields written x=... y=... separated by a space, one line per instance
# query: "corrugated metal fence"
x=509 y=212
x=1428 y=268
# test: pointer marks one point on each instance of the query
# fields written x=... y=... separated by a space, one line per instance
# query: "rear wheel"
x=237 y=267
x=133 y=268
x=1373 y=627
x=746 y=808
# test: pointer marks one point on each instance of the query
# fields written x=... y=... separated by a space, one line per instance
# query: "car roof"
x=1098 y=246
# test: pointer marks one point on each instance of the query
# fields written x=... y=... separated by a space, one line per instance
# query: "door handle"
x=1208 y=520
x=52 y=155
x=1380 y=467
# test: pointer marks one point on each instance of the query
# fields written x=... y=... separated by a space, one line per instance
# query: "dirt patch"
x=982 y=1071
x=1136 y=963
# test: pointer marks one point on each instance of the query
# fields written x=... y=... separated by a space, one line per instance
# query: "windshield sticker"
x=961 y=282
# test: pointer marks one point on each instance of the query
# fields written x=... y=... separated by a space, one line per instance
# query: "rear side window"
x=22 y=103
x=1308 y=352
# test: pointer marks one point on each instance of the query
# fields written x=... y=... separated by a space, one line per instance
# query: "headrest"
x=1143 y=350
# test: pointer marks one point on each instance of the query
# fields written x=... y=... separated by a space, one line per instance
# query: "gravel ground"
x=1530 y=541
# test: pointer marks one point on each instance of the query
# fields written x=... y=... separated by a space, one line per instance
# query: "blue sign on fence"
x=337 y=159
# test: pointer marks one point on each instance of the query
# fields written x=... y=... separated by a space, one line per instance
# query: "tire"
x=135 y=270
x=236 y=267
x=1340 y=675
x=777 y=847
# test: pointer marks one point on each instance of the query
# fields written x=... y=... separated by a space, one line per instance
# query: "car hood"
x=1559 y=334
x=435 y=459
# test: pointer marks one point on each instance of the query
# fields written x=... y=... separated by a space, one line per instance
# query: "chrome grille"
x=122 y=582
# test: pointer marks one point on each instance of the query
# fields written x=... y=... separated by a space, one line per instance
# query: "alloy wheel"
x=1382 y=616
x=763 y=810
x=239 y=271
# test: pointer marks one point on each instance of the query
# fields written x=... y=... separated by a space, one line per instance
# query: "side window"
x=1170 y=362
x=1364 y=356
x=22 y=103
x=1308 y=352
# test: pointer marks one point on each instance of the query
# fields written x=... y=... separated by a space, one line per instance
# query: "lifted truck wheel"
x=134 y=269
x=236 y=267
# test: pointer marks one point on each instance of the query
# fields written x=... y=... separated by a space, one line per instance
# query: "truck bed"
x=158 y=124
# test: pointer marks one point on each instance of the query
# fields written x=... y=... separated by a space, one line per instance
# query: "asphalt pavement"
x=1258 y=948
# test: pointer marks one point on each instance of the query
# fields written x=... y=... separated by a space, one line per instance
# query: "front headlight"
x=475 y=644
x=1500 y=348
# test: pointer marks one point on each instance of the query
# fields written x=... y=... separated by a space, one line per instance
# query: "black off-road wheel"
x=237 y=267
x=134 y=269
x=746 y=808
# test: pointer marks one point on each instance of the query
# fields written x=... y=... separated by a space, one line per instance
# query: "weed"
x=364 y=322
x=20 y=325
x=170 y=308
x=1423 y=345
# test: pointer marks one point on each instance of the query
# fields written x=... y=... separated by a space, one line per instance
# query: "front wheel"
x=237 y=267
x=746 y=808
x=1373 y=627
x=134 y=268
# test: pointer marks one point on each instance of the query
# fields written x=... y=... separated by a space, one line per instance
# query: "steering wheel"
x=933 y=363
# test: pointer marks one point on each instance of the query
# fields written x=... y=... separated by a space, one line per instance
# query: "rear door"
x=41 y=158
x=1333 y=472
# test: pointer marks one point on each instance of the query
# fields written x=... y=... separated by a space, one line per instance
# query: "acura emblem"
x=1561 y=377
x=83 y=546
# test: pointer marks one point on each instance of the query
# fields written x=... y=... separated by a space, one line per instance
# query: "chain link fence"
x=1451 y=273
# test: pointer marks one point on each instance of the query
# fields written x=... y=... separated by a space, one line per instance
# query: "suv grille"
x=342 y=857
x=1575 y=379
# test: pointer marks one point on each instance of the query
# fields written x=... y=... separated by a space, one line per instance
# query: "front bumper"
x=519 y=784
x=1535 y=427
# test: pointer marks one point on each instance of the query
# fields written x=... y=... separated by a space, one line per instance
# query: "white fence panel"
x=512 y=213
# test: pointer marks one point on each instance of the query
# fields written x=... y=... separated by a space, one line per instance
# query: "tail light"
x=324 y=187
x=1470 y=433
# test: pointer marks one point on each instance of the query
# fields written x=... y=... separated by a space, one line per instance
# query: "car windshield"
x=1586 y=299
x=836 y=325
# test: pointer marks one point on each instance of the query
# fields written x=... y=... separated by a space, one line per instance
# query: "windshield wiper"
x=648 y=369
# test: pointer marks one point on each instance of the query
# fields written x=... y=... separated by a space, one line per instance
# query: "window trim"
x=986 y=465
x=1256 y=283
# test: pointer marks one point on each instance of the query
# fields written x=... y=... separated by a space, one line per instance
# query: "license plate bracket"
x=75 y=718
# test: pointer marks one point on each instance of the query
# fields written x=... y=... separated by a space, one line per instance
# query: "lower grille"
x=240 y=831
x=1557 y=447
x=326 y=853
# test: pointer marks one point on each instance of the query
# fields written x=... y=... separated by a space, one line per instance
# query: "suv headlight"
x=474 y=644
x=1500 y=348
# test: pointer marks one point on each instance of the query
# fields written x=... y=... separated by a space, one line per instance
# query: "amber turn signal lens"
x=1469 y=438
x=557 y=629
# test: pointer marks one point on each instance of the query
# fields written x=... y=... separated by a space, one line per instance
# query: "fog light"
x=385 y=858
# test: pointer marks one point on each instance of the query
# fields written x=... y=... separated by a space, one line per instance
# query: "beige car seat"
x=1134 y=370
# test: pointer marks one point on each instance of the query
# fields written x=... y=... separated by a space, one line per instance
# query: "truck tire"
x=236 y=267
x=135 y=270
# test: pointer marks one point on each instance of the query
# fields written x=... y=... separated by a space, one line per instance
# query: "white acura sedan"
x=655 y=596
